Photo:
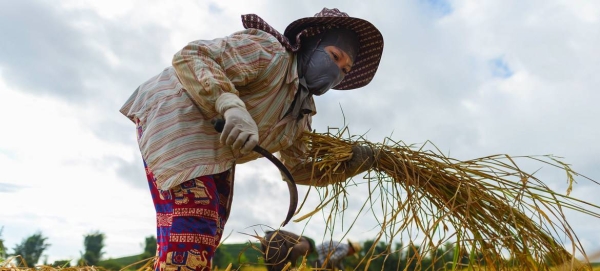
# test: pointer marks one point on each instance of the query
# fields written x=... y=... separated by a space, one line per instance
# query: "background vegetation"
x=244 y=256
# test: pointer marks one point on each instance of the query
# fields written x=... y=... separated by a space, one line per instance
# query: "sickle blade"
x=290 y=182
x=219 y=123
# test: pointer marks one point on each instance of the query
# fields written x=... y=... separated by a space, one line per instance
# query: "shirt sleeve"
x=296 y=159
x=208 y=68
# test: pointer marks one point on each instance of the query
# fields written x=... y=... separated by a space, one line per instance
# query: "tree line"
x=30 y=251
x=378 y=256
x=383 y=257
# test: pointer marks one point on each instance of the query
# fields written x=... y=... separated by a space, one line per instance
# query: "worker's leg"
x=190 y=219
x=198 y=217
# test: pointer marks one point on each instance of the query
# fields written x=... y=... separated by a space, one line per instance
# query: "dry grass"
x=16 y=263
x=246 y=268
x=488 y=206
x=9 y=265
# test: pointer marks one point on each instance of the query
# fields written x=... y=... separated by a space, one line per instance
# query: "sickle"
x=219 y=123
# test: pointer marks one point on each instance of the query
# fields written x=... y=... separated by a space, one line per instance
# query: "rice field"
x=9 y=265
x=248 y=268
x=489 y=207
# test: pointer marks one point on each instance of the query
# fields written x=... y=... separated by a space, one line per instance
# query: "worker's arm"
x=305 y=173
x=209 y=68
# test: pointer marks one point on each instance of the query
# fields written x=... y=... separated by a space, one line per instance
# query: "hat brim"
x=370 y=43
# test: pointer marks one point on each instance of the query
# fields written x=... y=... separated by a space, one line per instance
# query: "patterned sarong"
x=190 y=219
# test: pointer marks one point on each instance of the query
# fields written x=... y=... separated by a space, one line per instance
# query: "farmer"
x=262 y=83
x=332 y=254
x=280 y=247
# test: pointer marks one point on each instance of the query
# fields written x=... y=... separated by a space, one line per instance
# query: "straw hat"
x=356 y=247
x=369 y=38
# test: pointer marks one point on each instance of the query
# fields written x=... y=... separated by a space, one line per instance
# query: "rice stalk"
x=9 y=265
x=506 y=217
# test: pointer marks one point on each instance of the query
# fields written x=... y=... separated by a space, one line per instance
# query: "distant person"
x=332 y=254
x=280 y=247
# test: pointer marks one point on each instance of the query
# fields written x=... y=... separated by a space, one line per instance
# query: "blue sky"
x=500 y=68
x=474 y=77
x=442 y=7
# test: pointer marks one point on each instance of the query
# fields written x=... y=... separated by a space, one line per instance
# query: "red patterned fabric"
x=190 y=219
x=370 y=40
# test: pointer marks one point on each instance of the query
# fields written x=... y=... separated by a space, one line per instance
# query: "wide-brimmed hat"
x=356 y=247
x=369 y=38
x=370 y=42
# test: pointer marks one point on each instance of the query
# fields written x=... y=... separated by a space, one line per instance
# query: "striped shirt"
x=175 y=107
x=334 y=251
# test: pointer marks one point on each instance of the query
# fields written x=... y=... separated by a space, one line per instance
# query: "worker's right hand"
x=363 y=159
x=240 y=131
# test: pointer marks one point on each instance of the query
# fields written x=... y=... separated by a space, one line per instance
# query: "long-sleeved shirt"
x=175 y=107
x=334 y=252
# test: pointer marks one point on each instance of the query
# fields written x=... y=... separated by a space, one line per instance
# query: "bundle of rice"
x=501 y=216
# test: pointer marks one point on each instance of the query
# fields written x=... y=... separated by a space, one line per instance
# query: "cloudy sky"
x=474 y=77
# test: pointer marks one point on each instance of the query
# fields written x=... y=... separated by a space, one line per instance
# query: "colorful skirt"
x=190 y=219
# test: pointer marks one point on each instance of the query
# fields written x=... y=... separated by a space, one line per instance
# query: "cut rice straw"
x=488 y=205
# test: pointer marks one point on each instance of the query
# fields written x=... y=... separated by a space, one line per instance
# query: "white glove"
x=240 y=131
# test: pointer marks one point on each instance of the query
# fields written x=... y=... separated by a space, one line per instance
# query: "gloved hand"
x=240 y=131
x=363 y=158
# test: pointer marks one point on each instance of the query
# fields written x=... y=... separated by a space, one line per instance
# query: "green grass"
x=250 y=255
x=118 y=263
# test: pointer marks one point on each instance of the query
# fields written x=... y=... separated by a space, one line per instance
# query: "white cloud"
x=66 y=190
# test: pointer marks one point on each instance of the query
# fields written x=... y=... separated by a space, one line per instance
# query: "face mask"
x=321 y=73
x=317 y=71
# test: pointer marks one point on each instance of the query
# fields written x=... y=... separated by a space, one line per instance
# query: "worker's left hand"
x=363 y=159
